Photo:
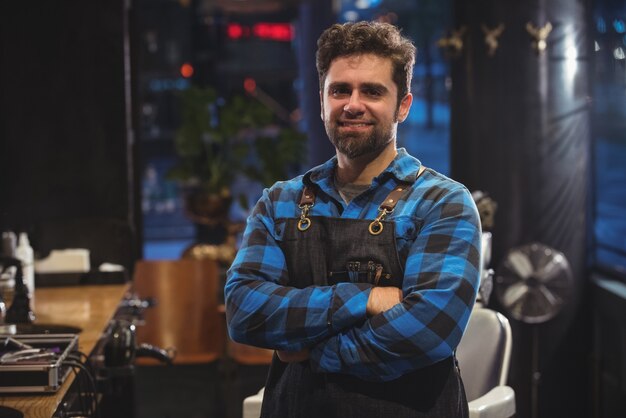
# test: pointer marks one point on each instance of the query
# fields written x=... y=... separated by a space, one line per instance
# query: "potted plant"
x=220 y=140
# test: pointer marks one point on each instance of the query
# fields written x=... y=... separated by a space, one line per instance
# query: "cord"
x=81 y=390
x=93 y=402
x=81 y=357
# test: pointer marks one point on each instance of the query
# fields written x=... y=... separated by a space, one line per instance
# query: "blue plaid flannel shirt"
x=438 y=231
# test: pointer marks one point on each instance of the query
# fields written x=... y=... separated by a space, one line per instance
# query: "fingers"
x=382 y=299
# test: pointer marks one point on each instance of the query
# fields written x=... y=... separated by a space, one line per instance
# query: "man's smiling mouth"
x=355 y=124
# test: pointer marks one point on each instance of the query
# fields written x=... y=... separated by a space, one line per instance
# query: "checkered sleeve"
x=439 y=287
x=262 y=310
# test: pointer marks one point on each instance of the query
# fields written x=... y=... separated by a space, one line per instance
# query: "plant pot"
x=207 y=208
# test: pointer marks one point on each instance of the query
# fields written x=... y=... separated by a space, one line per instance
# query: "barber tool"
x=35 y=363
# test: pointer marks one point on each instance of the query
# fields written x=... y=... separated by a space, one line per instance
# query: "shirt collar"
x=404 y=168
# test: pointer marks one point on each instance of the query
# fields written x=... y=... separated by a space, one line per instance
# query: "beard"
x=354 y=145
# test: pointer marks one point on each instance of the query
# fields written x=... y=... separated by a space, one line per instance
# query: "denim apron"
x=322 y=251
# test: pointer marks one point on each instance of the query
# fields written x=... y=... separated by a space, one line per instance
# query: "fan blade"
x=554 y=268
x=519 y=306
x=514 y=293
x=520 y=264
x=551 y=298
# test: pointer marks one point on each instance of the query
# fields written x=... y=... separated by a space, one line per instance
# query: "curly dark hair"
x=377 y=38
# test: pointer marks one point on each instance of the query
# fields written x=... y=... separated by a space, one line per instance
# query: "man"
x=361 y=273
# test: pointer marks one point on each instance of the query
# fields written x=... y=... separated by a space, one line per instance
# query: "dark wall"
x=65 y=148
x=521 y=132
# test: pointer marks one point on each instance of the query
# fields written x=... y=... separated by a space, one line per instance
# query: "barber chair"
x=486 y=274
x=483 y=354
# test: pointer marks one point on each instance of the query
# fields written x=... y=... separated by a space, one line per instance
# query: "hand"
x=382 y=299
x=293 y=356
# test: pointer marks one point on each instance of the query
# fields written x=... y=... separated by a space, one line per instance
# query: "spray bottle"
x=24 y=252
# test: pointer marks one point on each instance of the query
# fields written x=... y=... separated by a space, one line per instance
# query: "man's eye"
x=372 y=92
x=340 y=91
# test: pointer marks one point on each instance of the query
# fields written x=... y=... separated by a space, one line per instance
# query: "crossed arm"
x=373 y=333
x=379 y=300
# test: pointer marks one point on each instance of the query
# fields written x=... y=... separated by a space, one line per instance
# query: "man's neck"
x=363 y=169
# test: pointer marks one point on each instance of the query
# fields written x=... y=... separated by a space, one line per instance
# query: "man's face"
x=359 y=104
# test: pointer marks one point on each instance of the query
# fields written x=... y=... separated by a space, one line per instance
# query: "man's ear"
x=321 y=106
x=405 y=106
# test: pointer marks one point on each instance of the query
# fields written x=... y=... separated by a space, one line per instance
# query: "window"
x=609 y=137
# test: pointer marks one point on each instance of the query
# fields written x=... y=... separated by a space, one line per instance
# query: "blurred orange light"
x=249 y=85
x=186 y=70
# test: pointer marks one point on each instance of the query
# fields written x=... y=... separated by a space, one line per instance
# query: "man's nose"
x=355 y=105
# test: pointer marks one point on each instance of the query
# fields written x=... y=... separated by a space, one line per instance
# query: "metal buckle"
x=304 y=223
x=376 y=227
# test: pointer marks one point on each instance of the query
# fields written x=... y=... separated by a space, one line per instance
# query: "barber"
x=362 y=272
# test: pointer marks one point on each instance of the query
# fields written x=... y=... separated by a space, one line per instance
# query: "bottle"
x=7 y=277
x=8 y=244
x=24 y=252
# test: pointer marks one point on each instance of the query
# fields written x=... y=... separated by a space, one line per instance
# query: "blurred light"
x=366 y=4
x=274 y=31
x=283 y=32
x=249 y=85
x=619 y=26
x=157 y=85
x=601 y=25
x=390 y=17
x=234 y=31
x=596 y=46
x=351 y=16
x=571 y=53
x=571 y=56
x=186 y=70
x=296 y=115
x=181 y=84
x=618 y=53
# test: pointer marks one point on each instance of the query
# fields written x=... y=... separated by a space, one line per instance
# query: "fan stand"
x=535 y=373
x=533 y=283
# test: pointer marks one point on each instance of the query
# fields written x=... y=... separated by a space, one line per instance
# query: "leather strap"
x=308 y=196
x=392 y=199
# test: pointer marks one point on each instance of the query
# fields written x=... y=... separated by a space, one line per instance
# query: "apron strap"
x=307 y=200
x=392 y=199
x=389 y=204
x=308 y=196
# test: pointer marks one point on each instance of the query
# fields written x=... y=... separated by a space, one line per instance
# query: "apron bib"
x=333 y=250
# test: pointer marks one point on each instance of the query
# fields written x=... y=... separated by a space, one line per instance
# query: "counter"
x=87 y=307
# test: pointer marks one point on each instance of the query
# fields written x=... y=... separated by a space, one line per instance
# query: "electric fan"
x=533 y=283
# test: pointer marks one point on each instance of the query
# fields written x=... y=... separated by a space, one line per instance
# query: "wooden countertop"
x=87 y=307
